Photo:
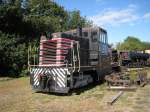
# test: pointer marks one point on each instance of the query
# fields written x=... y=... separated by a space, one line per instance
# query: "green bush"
x=12 y=55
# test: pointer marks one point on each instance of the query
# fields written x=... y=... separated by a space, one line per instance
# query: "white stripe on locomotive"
x=58 y=75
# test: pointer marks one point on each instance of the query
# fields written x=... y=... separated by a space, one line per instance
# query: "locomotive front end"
x=52 y=73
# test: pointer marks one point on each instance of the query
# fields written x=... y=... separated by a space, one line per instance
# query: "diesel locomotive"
x=70 y=59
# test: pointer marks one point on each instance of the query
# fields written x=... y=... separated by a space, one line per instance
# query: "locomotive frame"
x=70 y=60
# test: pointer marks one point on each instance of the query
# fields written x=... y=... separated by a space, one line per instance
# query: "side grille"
x=54 y=51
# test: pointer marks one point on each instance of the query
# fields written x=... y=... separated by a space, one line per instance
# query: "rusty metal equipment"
x=118 y=79
x=121 y=80
x=142 y=78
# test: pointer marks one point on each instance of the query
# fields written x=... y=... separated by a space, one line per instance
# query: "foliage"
x=21 y=23
x=133 y=44
x=75 y=19
x=12 y=55
x=10 y=19
x=146 y=45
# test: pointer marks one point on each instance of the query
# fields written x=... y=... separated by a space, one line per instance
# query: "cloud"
x=132 y=6
x=147 y=16
x=98 y=0
x=116 y=17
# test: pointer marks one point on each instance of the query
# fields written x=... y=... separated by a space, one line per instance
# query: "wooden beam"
x=115 y=98
x=121 y=88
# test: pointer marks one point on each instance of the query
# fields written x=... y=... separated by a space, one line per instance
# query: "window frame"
x=94 y=36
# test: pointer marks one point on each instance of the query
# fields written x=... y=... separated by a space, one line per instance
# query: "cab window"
x=85 y=34
x=94 y=36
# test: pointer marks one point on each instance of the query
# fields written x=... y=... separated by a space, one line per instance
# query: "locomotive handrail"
x=78 y=46
x=73 y=57
x=28 y=58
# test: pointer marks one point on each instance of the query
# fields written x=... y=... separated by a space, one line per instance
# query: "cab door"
x=94 y=48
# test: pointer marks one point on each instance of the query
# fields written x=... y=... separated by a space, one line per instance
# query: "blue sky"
x=121 y=18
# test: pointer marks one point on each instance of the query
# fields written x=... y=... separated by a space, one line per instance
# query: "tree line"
x=22 y=22
x=132 y=43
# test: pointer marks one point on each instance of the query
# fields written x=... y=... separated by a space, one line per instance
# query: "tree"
x=133 y=44
x=146 y=45
x=75 y=19
x=10 y=19
x=21 y=23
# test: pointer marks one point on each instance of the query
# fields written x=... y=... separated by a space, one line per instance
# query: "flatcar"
x=70 y=59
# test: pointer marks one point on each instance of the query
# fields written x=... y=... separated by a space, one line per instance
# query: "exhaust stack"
x=79 y=31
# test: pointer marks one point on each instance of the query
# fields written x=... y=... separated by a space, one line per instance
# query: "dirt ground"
x=16 y=95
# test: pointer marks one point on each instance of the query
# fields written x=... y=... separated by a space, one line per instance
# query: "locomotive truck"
x=70 y=59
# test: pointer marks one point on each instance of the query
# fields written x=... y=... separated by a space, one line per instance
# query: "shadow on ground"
x=76 y=91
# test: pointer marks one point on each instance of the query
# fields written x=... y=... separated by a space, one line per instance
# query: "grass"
x=17 y=96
